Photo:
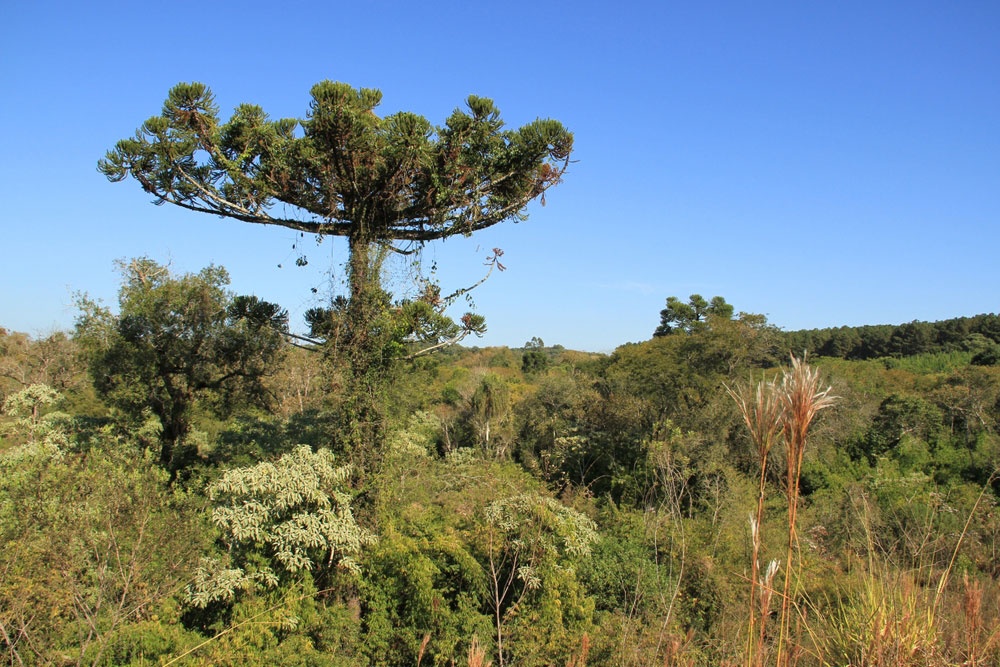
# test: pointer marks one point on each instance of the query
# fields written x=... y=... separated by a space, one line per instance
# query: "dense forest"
x=184 y=479
x=177 y=488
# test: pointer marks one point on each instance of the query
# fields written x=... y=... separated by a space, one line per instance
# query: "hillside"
x=531 y=506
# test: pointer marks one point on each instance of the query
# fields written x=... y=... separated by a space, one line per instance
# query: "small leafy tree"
x=279 y=519
x=177 y=340
x=25 y=361
x=528 y=541
x=490 y=410
x=27 y=424
x=534 y=359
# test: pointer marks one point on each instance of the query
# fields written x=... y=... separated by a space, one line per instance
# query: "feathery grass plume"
x=477 y=654
x=762 y=411
x=761 y=408
x=801 y=400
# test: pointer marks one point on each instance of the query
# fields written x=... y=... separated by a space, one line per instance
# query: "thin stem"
x=801 y=400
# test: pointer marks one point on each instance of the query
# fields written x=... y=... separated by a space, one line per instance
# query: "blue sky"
x=824 y=164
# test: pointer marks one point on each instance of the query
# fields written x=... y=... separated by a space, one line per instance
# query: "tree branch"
x=445 y=343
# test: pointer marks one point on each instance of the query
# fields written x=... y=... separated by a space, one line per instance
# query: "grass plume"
x=801 y=398
x=761 y=409
x=770 y=410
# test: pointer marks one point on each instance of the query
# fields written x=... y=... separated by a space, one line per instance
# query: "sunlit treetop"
x=343 y=170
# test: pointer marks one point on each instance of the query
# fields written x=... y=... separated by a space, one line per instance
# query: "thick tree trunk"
x=364 y=355
x=172 y=414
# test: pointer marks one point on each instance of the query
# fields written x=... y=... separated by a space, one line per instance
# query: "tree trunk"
x=364 y=355
x=175 y=430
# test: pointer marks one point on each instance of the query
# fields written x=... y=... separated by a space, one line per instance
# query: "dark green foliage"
x=691 y=316
x=988 y=357
x=911 y=338
x=842 y=343
x=350 y=172
x=904 y=340
x=249 y=438
x=178 y=342
x=534 y=359
x=375 y=181
x=572 y=434
x=899 y=417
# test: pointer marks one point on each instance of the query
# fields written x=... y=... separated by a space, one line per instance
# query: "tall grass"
x=894 y=617
x=879 y=615
x=801 y=400
x=762 y=412
x=786 y=408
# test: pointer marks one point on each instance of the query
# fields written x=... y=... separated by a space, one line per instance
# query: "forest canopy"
x=532 y=506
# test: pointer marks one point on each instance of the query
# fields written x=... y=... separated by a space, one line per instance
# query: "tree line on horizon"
x=977 y=335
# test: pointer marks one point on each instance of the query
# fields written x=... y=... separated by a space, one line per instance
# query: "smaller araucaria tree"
x=680 y=317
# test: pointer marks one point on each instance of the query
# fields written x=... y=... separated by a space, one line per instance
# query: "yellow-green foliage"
x=294 y=512
x=471 y=547
x=91 y=545
x=612 y=518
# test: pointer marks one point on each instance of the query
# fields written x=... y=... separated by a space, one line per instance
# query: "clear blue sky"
x=823 y=163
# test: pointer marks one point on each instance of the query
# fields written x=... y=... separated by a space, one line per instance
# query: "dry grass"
x=890 y=617
x=801 y=399
x=580 y=659
x=888 y=623
x=772 y=409
x=762 y=411
x=679 y=653
x=477 y=654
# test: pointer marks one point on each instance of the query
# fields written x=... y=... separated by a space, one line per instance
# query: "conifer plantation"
x=185 y=480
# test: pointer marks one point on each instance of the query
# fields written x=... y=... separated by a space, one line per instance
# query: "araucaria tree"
x=384 y=183
x=691 y=316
